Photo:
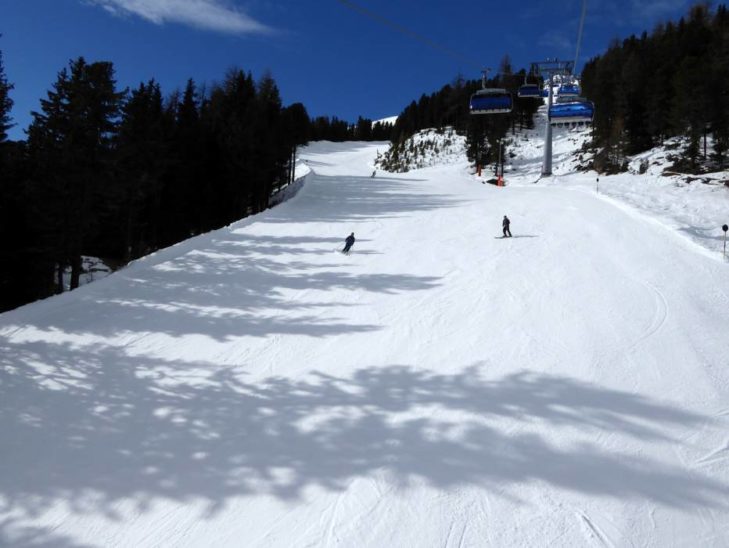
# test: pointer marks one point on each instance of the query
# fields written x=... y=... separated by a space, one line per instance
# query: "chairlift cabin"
x=569 y=90
x=530 y=91
x=576 y=112
x=491 y=101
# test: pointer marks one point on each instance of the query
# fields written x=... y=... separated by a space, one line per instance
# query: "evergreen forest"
x=118 y=174
x=673 y=82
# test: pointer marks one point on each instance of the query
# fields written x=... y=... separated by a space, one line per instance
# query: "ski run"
x=438 y=386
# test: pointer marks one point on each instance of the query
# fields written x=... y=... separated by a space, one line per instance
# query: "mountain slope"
x=437 y=387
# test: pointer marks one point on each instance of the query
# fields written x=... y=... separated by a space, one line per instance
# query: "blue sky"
x=332 y=59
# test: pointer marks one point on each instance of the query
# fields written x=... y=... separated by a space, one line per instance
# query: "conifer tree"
x=178 y=219
x=363 y=130
x=13 y=227
x=228 y=121
x=71 y=140
x=295 y=123
x=720 y=86
x=269 y=146
x=142 y=155
x=6 y=103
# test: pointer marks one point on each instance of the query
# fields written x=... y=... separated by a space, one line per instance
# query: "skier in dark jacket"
x=348 y=243
x=506 y=222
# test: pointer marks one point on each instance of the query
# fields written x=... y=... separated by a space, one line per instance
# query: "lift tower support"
x=549 y=69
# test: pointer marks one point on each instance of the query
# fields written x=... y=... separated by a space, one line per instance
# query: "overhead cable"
x=407 y=32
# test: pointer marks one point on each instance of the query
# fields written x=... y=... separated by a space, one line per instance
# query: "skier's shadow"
x=515 y=237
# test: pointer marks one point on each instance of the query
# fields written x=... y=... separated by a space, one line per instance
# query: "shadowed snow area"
x=439 y=386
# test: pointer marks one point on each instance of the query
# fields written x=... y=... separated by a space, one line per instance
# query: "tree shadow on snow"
x=95 y=427
x=326 y=148
x=13 y=533
x=234 y=285
x=702 y=232
x=349 y=199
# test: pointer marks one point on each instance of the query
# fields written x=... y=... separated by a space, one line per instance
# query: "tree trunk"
x=128 y=230
x=59 y=278
x=76 y=265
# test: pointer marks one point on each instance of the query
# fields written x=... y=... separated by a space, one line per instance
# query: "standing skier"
x=505 y=223
x=348 y=243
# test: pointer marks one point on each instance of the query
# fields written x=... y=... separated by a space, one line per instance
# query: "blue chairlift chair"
x=578 y=111
x=491 y=101
x=568 y=90
x=530 y=91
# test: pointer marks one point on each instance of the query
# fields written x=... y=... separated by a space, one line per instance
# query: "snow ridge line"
x=648 y=217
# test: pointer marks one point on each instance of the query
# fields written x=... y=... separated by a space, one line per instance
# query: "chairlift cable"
x=407 y=32
x=579 y=34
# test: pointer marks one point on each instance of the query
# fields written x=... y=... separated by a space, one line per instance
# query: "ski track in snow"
x=716 y=455
x=593 y=534
x=436 y=387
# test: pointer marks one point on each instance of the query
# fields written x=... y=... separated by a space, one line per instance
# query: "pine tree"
x=178 y=214
x=71 y=141
x=14 y=275
x=719 y=86
x=296 y=127
x=6 y=103
x=229 y=122
x=363 y=130
x=142 y=152
x=270 y=148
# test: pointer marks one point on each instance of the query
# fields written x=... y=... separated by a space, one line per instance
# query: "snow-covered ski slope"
x=694 y=210
x=437 y=387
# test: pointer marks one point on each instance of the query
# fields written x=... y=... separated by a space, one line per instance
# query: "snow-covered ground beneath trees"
x=437 y=387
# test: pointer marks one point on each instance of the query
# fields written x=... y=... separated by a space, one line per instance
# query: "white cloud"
x=215 y=15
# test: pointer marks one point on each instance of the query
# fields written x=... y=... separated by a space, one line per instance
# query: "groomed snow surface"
x=437 y=387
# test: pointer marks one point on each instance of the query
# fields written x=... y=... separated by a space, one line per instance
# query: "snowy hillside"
x=388 y=120
x=439 y=386
x=694 y=206
x=427 y=148
x=693 y=209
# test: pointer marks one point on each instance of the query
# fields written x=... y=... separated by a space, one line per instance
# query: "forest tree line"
x=118 y=174
x=671 y=83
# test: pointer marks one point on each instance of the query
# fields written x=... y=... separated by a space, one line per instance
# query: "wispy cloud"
x=658 y=8
x=556 y=42
x=214 y=15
